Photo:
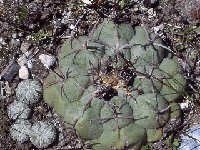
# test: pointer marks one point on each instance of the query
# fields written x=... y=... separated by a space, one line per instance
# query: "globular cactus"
x=114 y=86
x=42 y=134
x=18 y=110
x=20 y=130
x=29 y=91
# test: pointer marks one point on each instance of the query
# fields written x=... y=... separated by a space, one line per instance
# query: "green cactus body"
x=113 y=35
x=145 y=53
x=169 y=67
x=76 y=53
x=89 y=125
x=174 y=87
x=154 y=134
x=175 y=111
x=152 y=104
x=129 y=136
x=110 y=110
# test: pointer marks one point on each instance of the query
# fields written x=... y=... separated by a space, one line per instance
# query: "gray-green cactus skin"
x=125 y=121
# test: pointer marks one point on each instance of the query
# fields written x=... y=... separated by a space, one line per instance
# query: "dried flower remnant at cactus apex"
x=110 y=79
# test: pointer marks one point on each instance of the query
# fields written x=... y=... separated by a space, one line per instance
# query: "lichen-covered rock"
x=112 y=86
x=190 y=139
x=29 y=91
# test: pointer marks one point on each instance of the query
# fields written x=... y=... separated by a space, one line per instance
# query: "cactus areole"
x=113 y=86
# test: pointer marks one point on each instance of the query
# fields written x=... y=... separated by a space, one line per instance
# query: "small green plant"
x=23 y=14
x=115 y=87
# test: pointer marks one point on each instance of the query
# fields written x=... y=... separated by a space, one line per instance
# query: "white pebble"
x=184 y=105
x=23 y=72
x=22 y=60
x=47 y=60
x=89 y=2
x=24 y=47
x=72 y=27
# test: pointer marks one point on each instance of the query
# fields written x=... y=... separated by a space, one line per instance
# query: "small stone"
x=47 y=60
x=88 y=2
x=24 y=47
x=23 y=72
x=72 y=27
x=10 y=71
x=184 y=106
x=150 y=3
x=22 y=60
x=2 y=90
x=14 y=36
x=190 y=139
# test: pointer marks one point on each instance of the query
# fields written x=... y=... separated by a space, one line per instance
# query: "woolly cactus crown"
x=20 y=130
x=18 y=110
x=42 y=134
x=29 y=91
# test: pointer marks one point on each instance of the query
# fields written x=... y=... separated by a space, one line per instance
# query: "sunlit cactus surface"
x=115 y=86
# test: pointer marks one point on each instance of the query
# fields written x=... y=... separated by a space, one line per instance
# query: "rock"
x=23 y=72
x=24 y=47
x=190 y=139
x=10 y=71
x=47 y=60
x=88 y=2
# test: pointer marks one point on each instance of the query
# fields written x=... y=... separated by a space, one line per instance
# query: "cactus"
x=20 y=130
x=42 y=134
x=29 y=91
x=18 y=110
x=114 y=87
